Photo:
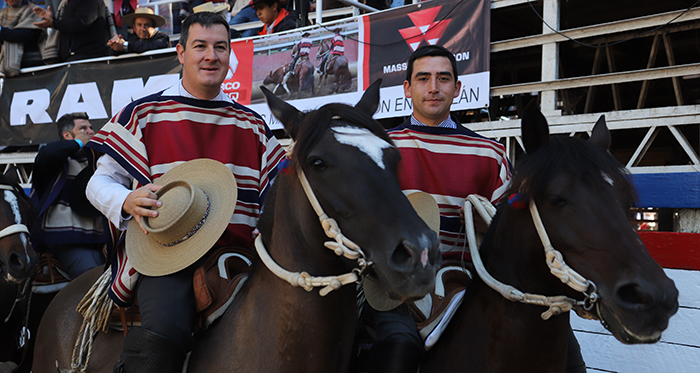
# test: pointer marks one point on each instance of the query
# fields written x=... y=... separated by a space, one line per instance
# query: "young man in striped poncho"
x=190 y=120
x=449 y=161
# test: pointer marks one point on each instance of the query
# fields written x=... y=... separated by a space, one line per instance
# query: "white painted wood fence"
x=677 y=352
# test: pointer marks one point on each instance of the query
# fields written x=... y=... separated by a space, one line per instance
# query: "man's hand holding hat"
x=137 y=203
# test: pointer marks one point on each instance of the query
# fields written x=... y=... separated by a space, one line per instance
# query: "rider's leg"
x=399 y=347
x=167 y=307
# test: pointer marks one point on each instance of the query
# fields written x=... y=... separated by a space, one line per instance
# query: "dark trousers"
x=77 y=259
x=396 y=324
x=167 y=306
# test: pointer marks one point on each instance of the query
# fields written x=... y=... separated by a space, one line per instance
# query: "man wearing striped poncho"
x=193 y=119
x=449 y=161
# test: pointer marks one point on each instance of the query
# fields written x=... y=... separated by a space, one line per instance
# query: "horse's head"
x=17 y=257
x=583 y=196
x=350 y=163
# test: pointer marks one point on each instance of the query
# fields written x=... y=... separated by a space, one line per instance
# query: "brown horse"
x=301 y=81
x=337 y=66
x=350 y=165
x=582 y=195
x=17 y=262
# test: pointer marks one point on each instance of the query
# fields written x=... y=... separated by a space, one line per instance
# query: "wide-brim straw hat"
x=211 y=7
x=427 y=208
x=198 y=200
x=146 y=12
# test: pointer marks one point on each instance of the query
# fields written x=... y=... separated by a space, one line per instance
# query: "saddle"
x=433 y=313
x=216 y=283
x=49 y=275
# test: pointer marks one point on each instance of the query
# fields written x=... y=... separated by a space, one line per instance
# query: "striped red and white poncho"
x=156 y=133
x=450 y=164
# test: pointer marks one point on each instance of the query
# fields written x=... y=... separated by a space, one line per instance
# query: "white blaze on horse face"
x=11 y=198
x=364 y=140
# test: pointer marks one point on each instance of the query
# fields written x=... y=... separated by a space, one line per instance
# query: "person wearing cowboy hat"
x=144 y=37
x=160 y=139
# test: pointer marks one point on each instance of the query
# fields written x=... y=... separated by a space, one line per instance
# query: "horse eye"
x=317 y=164
x=556 y=201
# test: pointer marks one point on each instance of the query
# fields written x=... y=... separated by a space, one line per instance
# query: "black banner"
x=463 y=27
x=31 y=103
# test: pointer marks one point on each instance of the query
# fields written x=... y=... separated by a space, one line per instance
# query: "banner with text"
x=375 y=46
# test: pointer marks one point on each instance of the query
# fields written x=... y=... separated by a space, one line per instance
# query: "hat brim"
x=129 y=19
x=149 y=257
x=428 y=210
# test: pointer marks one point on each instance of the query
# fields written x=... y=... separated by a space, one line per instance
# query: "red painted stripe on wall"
x=673 y=249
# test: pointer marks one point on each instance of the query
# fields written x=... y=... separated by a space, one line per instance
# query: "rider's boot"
x=394 y=356
x=148 y=352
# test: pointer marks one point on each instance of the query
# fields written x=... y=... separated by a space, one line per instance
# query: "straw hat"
x=427 y=208
x=145 y=12
x=198 y=198
x=211 y=7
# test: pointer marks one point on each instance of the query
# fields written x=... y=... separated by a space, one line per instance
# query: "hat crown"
x=144 y=10
x=183 y=210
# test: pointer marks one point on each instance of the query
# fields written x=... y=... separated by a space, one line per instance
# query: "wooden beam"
x=650 y=62
x=602 y=79
x=596 y=30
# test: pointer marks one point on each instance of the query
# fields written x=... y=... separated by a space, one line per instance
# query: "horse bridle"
x=555 y=262
x=341 y=246
x=14 y=228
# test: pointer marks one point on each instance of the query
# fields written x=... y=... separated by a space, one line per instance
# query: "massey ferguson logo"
x=426 y=28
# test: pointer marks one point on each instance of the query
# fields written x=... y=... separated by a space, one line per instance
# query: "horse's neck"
x=514 y=328
x=295 y=330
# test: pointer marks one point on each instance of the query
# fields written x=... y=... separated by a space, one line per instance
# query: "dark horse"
x=350 y=165
x=337 y=66
x=302 y=81
x=583 y=196
x=17 y=263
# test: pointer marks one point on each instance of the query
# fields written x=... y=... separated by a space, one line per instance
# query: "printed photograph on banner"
x=238 y=83
x=308 y=64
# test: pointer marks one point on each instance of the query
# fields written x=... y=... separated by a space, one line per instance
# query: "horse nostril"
x=15 y=262
x=633 y=296
x=402 y=255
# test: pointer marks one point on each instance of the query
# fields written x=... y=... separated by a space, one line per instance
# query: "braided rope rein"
x=555 y=261
x=95 y=307
x=341 y=246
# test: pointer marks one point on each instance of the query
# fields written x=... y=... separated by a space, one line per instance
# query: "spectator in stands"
x=68 y=226
x=19 y=37
x=123 y=8
x=83 y=27
x=145 y=37
x=246 y=14
x=273 y=16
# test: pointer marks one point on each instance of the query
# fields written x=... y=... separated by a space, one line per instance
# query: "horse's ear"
x=370 y=99
x=600 y=136
x=12 y=174
x=290 y=117
x=534 y=128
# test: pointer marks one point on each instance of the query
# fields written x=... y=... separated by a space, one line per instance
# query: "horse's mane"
x=318 y=122
x=581 y=159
